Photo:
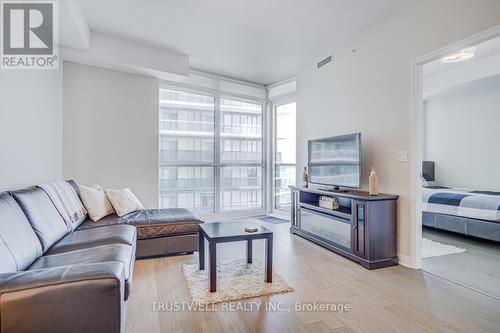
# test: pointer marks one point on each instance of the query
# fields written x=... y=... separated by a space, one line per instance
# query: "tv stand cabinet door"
x=295 y=209
x=359 y=229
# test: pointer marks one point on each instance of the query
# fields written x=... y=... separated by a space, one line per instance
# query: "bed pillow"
x=95 y=201
x=123 y=201
x=425 y=183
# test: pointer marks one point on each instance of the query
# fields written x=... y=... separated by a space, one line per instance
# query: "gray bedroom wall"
x=462 y=135
x=369 y=90
x=30 y=127
x=111 y=130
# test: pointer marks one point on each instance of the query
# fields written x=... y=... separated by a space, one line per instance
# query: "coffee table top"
x=235 y=230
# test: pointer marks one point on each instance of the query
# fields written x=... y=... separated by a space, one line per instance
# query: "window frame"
x=217 y=163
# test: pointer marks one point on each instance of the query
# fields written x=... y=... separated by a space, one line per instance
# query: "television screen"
x=336 y=161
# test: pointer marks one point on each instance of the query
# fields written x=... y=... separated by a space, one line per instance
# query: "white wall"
x=440 y=81
x=111 y=130
x=369 y=90
x=31 y=114
x=30 y=127
x=462 y=135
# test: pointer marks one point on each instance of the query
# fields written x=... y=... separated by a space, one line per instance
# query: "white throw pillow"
x=95 y=201
x=123 y=201
x=109 y=206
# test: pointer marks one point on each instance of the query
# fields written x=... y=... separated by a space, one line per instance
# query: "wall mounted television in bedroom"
x=336 y=161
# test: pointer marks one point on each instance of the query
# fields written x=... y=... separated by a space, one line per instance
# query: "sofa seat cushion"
x=114 y=252
x=153 y=223
x=84 y=239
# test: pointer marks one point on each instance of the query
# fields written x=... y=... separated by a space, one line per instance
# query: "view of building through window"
x=285 y=164
x=186 y=151
x=191 y=170
x=241 y=155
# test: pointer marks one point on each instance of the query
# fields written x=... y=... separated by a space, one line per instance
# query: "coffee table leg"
x=269 y=259
x=212 y=253
x=201 y=250
x=249 y=251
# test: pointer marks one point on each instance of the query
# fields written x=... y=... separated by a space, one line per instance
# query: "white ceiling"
x=483 y=50
x=440 y=77
x=262 y=41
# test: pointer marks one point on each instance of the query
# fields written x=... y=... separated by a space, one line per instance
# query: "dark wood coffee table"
x=223 y=232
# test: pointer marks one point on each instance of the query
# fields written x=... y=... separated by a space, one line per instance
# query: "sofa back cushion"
x=74 y=185
x=19 y=246
x=43 y=216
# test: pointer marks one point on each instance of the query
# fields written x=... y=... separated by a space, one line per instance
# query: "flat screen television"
x=336 y=161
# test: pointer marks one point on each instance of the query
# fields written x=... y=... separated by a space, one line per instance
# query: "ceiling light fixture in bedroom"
x=459 y=56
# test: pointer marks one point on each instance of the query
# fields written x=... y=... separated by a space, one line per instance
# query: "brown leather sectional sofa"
x=57 y=280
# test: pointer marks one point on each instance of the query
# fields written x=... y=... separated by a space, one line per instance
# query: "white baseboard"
x=404 y=260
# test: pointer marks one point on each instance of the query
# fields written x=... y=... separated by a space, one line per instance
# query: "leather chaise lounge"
x=57 y=280
x=159 y=231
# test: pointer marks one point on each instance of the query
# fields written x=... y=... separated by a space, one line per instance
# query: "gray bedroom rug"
x=431 y=249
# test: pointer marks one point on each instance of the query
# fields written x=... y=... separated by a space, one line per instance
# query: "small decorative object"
x=305 y=178
x=373 y=180
x=250 y=229
x=328 y=202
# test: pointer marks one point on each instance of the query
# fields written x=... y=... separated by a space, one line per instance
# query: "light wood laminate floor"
x=395 y=299
x=477 y=268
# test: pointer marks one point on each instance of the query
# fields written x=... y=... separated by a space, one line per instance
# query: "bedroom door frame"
x=417 y=134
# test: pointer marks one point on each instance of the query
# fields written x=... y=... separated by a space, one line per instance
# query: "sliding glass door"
x=210 y=152
x=285 y=151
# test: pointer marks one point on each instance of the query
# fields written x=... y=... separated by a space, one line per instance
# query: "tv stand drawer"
x=332 y=229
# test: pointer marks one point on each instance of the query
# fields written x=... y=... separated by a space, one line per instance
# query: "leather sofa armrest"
x=77 y=298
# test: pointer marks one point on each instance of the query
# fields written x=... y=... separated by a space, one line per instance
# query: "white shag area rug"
x=431 y=248
x=235 y=280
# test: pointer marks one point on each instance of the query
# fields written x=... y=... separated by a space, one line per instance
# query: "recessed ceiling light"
x=459 y=56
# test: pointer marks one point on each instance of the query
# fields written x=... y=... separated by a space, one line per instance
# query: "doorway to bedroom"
x=461 y=167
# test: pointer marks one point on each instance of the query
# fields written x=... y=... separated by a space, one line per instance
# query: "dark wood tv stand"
x=363 y=229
